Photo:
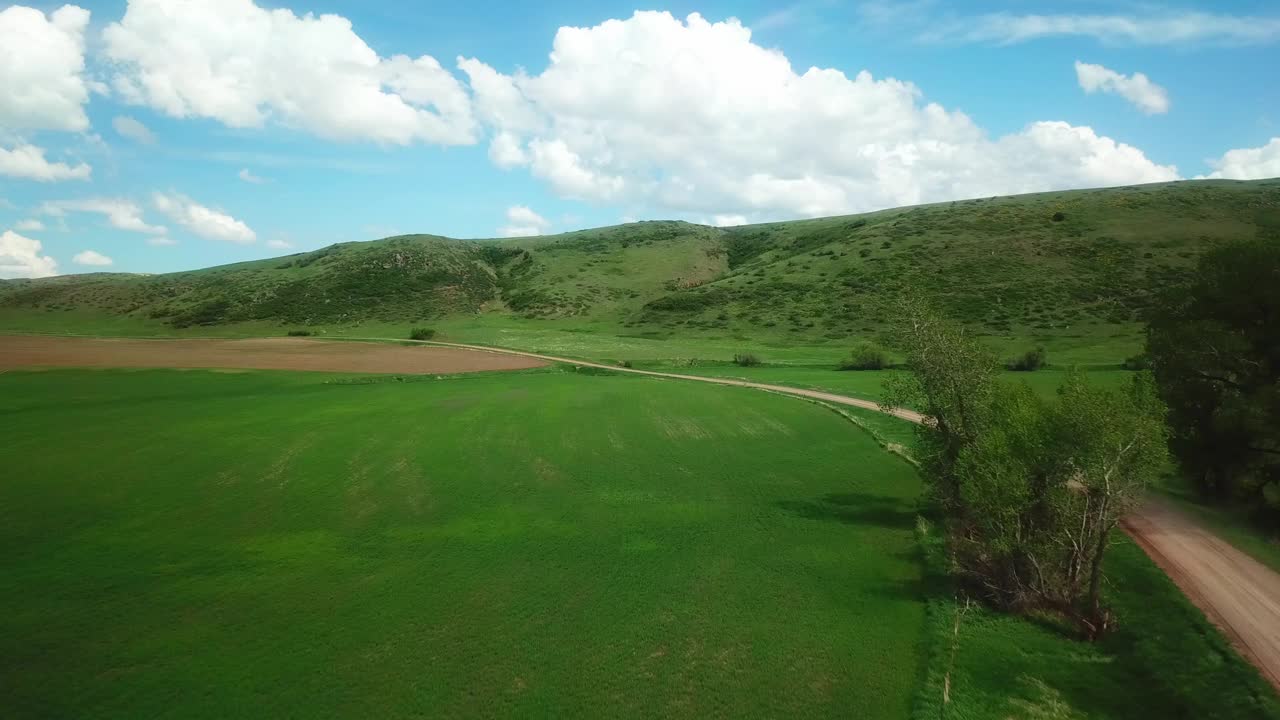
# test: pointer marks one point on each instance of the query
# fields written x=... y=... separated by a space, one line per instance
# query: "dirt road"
x=264 y=354
x=1240 y=595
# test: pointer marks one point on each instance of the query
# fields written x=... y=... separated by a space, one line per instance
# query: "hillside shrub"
x=1059 y=217
x=866 y=356
x=421 y=334
x=300 y=333
x=1030 y=361
x=746 y=360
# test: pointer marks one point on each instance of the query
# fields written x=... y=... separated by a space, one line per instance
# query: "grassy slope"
x=541 y=544
x=797 y=291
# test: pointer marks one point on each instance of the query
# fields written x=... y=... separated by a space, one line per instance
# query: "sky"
x=161 y=135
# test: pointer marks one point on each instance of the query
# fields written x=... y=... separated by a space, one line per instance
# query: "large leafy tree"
x=1214 y=346
x=1030 y=490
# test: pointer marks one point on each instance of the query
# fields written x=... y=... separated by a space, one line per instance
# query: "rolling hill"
x=1022 y=268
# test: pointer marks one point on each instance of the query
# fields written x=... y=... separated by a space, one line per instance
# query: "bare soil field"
x=260 y=354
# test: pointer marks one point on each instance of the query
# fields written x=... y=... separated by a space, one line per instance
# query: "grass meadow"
x=543 y=543
x=537 y=544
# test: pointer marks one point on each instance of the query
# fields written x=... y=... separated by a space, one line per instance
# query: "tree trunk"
x=1095 y=618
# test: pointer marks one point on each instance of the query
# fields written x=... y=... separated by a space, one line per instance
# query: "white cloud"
x=249 y=177
x=505 y=151
x=29 y=225
x=90 y=257
x=1248 y=163
x=121 y=214
x=161 y=241
x=41 y=67
x=728 y=220
x=1155 y=29
x=523 y=222
x=133 y=129
x=1137 y=88
x=244 y=65
x=20 y=257
x=692 y=117
x=203 y=221
x=278 y=244
x=28 y=162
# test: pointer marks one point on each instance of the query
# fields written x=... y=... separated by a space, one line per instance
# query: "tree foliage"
x=1214 y=346
x=1030 y=489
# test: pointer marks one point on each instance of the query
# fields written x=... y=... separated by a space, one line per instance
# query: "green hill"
x=1029 y=268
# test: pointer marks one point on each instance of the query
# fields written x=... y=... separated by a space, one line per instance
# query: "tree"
x=1029 y=490
x=1214 y=346
x=951 y=382
x=1108 y=445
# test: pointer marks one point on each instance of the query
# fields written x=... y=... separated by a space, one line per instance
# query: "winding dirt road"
x=1237 y=593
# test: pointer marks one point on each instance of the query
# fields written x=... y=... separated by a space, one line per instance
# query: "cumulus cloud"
x=279 y=244
x=728 y=220
x=203 y=221
x=694 y=117
x=91 y=258
x=133 y=129
x=244 y=65
x=1152 y=29
x=41 y=69
x=1248 y=163
x=505 y=151
x=249 y=177
x=161 y=241
x=20 y=257
x=29 y=225
x=120 y=213
x=523 y=222
x=28 y=162
x=1137 y=88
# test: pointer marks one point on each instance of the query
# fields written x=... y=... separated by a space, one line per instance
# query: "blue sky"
x=169 y=135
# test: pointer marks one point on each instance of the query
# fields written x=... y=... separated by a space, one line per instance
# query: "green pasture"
x=540 y=544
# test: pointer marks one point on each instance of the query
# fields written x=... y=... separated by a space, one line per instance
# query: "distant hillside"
x=1022 y=265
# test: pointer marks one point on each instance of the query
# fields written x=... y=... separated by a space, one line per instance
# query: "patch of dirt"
x=258 y=354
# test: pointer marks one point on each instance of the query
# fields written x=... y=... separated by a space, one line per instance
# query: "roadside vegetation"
x=1214 y=345
x=1028 y=491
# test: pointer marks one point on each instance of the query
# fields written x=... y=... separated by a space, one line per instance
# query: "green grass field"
x=539 y=544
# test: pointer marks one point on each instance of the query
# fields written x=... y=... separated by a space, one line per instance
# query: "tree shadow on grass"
x=855 y=508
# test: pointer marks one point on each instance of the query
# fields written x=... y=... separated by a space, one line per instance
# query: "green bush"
x=421 y=334
x=746 y=360
x=300 y=333
x=866 y=356
x=1030 y=361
